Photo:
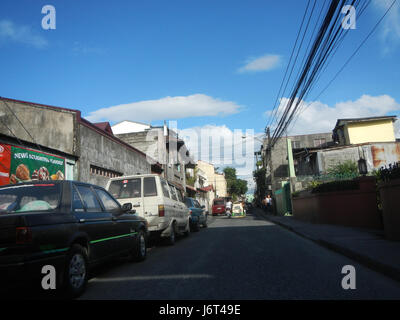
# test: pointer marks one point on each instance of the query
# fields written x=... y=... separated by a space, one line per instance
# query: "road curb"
x=387 y=270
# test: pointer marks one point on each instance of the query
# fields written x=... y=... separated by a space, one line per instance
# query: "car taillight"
x=161 y=210
x=23 y=235
x=190 y=211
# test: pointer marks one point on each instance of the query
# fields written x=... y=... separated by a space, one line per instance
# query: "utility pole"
x=269 y=159
x=271 y=171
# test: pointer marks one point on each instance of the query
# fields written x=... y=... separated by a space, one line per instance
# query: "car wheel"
x=76 y=271
x=139 y=252
x=187 y=232
x=172 y=237
x=196 y=226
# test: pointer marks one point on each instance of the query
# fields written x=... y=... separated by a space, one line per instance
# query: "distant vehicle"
x=238 y=209
x=197 y=214
x=66 y=224
x=156 y=200
x=218 y=206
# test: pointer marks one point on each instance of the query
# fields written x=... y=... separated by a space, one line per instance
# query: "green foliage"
x=191 y=180
x=313 y=184
x=334 y=186
x=236 y=187
x=389 y=173
x=261 y=183
x=348 y=167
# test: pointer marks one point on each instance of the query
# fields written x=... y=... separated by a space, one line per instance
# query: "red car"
x=218 y=206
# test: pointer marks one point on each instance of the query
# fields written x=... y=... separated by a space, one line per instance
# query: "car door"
x=176 y=211
x=183 y=211
x=199 y=210
x=93 y=221
x=124 y=227
x=167 y=197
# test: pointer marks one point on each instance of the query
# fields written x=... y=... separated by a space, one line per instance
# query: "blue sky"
x=202 y=63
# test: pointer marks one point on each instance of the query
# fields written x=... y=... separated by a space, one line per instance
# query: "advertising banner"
x=23 y=165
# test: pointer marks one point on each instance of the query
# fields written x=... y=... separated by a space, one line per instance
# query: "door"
x=183 y=211
x=176 y=212
x=125 y=228
x=199 y=211
x=93 y=221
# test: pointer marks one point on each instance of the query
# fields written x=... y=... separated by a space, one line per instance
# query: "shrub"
x=389 y=173
x=347 y=168
x=336 y=186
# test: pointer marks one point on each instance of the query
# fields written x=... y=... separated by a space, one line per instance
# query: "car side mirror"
x=126 y=207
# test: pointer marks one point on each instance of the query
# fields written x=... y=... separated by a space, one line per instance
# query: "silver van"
x=158 y=201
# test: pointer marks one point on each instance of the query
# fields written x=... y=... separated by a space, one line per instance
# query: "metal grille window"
x=104 y=172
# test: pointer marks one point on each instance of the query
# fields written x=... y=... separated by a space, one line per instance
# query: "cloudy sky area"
x=214 y=66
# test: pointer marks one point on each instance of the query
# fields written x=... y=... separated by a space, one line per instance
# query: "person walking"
x=268 y=202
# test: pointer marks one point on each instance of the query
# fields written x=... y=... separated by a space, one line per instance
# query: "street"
x=238 y=259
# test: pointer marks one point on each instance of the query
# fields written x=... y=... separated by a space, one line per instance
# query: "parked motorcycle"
x=229 y=212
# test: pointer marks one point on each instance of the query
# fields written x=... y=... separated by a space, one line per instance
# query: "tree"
x=261 y=184
x=236 y=187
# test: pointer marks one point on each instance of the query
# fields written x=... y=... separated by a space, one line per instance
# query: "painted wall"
x=374 y=131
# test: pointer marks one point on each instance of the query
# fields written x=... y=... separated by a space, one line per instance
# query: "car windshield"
x=32 y=197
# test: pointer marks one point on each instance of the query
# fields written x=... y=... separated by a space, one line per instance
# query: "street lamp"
x=362 y=166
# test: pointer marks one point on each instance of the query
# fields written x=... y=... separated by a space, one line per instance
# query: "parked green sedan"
x=67 y=225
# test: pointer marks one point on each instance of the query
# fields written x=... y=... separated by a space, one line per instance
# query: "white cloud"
x=264 y=63
x=20 y=34
x=196 y=105
x=317 y=117
x=391 y=24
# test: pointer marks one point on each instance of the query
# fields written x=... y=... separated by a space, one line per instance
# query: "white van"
x=155 y=199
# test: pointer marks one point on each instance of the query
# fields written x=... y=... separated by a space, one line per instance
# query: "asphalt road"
x=238 y=259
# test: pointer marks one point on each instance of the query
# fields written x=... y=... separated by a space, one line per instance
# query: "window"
x=77 y=204
x=188 y=202
x=295 y=144
x=164 y=187
x=104 y=172
x=319 y=142
x=179 y=193
x=219 y=202
x=127 y=188
x=89 y=199
x=108 y=202
x=149 y=187
x=173 y=194
x=26 y=198
x=197 y=204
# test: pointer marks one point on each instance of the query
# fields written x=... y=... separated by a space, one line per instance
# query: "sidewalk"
x=365 y=246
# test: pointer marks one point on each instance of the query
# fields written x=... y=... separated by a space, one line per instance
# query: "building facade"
x=89 y=153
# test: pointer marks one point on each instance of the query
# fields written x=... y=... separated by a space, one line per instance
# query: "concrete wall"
x=376 y=155
x=102 y=151
x=52 y=128
x=151 y=142
x=279 y=156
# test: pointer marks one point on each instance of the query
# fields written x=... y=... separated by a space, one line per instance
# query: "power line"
x=352 y=55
